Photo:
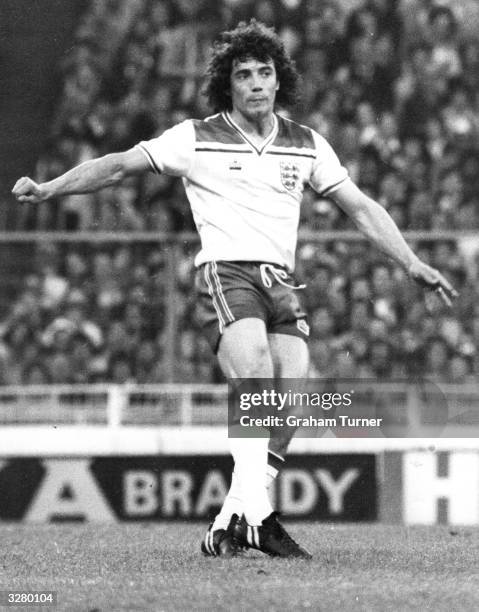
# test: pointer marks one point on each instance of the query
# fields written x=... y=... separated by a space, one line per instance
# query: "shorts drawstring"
x=279 y=274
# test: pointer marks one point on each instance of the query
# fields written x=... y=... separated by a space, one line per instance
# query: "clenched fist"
x=26 y=190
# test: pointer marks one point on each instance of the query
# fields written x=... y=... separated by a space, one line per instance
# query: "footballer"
x=244 y=170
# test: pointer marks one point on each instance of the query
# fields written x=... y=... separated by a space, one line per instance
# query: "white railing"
x=406 y=405
x=113 y=405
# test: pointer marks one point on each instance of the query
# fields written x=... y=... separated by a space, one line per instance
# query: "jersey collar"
x=268 y=140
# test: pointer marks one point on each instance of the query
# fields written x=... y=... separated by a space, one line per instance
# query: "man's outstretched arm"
x=375 y=223
x=90 y=176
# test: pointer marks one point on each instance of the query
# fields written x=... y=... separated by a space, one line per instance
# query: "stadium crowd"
x=391 y=84
x=97 y=314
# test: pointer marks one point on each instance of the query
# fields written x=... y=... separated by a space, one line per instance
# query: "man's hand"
x=431 y=279
x=26 y=190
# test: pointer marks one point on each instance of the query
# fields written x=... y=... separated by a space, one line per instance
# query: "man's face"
x=253 y=87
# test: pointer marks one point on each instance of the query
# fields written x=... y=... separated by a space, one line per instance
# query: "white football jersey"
x=245 y=199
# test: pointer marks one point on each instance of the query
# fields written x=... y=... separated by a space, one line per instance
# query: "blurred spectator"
x=437 y=354
x=444 y=40
x=461 y=370
x=120 y=369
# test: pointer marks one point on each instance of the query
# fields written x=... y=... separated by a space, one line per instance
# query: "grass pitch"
x=155 y=567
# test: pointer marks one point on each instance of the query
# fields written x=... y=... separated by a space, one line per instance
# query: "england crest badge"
x=289 y=174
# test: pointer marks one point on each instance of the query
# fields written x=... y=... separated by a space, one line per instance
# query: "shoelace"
x=278 y=274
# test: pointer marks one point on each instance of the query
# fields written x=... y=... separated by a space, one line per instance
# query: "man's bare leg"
x=244 y=353
x=290 y=356
x=247 y=352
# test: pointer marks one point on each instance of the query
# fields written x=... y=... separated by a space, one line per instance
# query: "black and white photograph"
x=239 y=305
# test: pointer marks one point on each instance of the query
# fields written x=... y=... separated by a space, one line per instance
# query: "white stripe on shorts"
x=221 y=321
x=221 y=295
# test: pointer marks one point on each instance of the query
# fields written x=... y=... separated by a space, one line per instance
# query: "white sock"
x=231 y=505
x=251 y=460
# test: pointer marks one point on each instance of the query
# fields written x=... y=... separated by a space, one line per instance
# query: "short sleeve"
x=327 y=173
x=172 y=152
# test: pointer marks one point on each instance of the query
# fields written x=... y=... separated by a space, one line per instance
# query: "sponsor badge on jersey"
x=289 y=174
x=303 y=326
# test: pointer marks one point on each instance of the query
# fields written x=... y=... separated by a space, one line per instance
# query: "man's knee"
x=257 y=363
x=261 y=365
x=244 y=350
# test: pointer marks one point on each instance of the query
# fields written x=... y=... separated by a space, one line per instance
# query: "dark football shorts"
x=231 y=290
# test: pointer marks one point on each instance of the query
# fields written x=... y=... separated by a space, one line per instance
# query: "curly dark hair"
x=249 y=40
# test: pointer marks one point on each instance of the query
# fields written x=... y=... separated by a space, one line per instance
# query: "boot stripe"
x=255 y=536
x=211 y=544
x=206 y=542
x=252 y=536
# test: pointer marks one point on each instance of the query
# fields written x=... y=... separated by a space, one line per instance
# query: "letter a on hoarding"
x=213 y=492
x=68 y=491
